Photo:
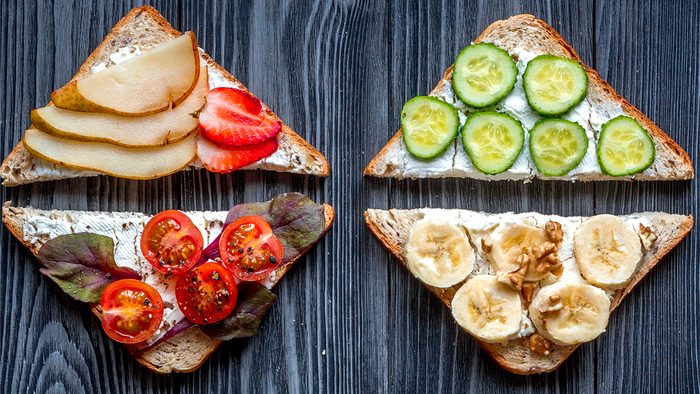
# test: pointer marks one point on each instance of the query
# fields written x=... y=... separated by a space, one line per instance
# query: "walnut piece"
x=486 y=246
x=647 y=236
x=540 y=345
x=527 y=292
x=552 y=304
x=554 y=231
x=546 y=258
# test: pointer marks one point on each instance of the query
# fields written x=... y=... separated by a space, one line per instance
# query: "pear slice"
x=118 y=161
x=149 y=83
x=151 y=130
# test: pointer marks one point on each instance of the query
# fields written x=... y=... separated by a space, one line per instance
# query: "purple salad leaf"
x=253 y=303
x=82 y=265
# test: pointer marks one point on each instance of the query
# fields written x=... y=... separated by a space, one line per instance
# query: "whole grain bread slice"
x=529 y=33
x=184 y=352
x=144 y=28
x=391 y=227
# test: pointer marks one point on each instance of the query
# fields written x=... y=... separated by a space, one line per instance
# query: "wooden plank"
x=649 y=53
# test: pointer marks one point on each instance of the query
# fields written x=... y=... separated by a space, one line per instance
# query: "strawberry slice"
x=233 y=117
x=218 y=159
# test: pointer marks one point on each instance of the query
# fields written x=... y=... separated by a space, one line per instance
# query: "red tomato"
x=131 y=311
x=249 y=249
x=171 y=242
x=206 y=294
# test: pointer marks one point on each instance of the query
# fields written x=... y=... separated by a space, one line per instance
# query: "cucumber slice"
x=493 y=141
x=624 y=147
x=429 y=126
x=557 y=146
x=553 y=85
x=483 y=74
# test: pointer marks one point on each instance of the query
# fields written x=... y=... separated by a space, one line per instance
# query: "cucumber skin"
x=599 y=156
x=576 y=102
x=573 y=165
x=471 y=154
x=447 y=145
x=466 y=100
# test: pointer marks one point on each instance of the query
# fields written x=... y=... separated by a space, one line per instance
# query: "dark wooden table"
x=349 y=318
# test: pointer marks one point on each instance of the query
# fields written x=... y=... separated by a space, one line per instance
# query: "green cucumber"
x=493 y=140
x=483 y=74
x=429 y=126
x=553 y=85
x=624 y=147
x=557 y=146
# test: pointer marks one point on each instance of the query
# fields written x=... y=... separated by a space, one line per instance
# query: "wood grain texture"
x=349 y=319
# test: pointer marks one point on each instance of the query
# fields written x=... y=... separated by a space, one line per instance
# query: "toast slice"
x=184 y=352
x=144 y=28
x=391 y=227
x=525 y=34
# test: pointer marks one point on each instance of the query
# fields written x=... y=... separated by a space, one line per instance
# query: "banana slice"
x=513 y=240
x=487 y=309
x=607 y=251
x=439 y=253
x=570 y=313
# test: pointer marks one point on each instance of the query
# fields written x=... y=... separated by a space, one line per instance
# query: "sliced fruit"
x=233 y=117
x=492 y=140
x=206 y=294
x=224 y=160
x=483 y=74
x=487 y=309
x=557 y=146
x=553 y=85
x=151 y=82
x=439 y=253
x=171 y=242
x=607 y=251
x=132 y=310
x=144 y=131
x=429 y=126
x=509 y=241
x=624 y=147
x=132 y=163
x=249 y=249
x=570 y=313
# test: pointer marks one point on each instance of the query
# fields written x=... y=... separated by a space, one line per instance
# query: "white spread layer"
x=479 y=226
x=516 y=105
x=125 y=229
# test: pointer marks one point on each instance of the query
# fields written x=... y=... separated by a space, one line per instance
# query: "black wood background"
x=349 y=318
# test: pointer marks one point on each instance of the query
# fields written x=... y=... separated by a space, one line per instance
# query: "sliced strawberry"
x=233 y=117
x=218 y=159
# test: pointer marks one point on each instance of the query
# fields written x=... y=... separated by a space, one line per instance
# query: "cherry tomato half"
x=171 y=242
x=249 y=249
x=131 y=310
x=206 y=294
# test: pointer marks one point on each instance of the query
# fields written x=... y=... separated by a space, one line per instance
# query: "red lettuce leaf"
x=82 y=265
x=254 y=301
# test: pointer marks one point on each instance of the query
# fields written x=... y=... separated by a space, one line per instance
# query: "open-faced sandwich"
x=174 y=285
x=149 y=102
x=529 y=287
x=518 y=103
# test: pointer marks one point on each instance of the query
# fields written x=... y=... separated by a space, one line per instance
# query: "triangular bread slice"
x=144 y=28
x=392 y=227
x=184 y=352
x=518 y=33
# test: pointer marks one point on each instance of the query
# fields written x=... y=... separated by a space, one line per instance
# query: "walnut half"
x=647 y=237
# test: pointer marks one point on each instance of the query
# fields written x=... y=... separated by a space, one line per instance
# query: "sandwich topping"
x=548 y=278
x=547 y=97
x=225 y=291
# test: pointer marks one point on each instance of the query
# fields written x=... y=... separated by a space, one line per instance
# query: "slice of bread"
x=392 y=227
x=184 y=352
x=144 y=28
x=525 y=32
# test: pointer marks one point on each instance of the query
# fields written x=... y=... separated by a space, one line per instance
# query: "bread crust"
x=676 y=162
x=17 y=167
x=184 y=352
x=514 y=356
